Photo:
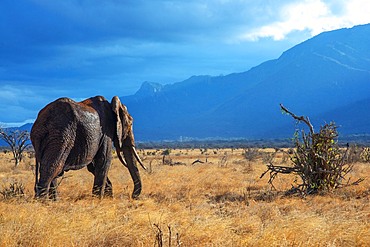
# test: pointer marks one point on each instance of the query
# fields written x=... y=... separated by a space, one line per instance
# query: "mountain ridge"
x=324 y=73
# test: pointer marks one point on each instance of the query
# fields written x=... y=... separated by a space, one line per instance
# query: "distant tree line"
x=261 y=143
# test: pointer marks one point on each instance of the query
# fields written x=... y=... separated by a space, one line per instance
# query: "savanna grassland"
x=221 y=202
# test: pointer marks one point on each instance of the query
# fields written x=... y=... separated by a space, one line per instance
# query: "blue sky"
x=82 y=48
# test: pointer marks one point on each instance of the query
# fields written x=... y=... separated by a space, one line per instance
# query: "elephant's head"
x=124 y=143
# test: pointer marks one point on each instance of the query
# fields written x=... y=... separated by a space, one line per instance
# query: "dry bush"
x=365 y=155
x=354 y=154
x=358 y=154
x=13 y=190
x=251 y=154
x=317 y=160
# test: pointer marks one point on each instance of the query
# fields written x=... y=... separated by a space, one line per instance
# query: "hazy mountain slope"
x=353 y=118
x=309 y=78
x=328 y=72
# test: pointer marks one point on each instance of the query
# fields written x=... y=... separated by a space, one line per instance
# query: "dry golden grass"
x=218 y=203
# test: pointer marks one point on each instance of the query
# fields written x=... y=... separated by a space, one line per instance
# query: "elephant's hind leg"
x=47 y=185
x=108 y=190
x=53 y=194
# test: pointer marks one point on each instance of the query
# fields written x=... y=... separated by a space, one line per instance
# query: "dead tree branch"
x=306 y=120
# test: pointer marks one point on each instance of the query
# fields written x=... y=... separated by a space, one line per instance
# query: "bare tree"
x=17 y=141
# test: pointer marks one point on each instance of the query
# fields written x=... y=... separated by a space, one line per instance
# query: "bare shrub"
x=14 y=190
x=251 y=154
x=268 y=157
x=159 y=236
x=166 y=160
x=354 y=154
x=317 y=159
x=223 y=161
x=358 y=154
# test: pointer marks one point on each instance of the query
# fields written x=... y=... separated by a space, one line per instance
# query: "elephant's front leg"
x=108 y=190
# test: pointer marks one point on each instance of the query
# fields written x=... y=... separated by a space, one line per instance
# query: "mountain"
x=326 y=78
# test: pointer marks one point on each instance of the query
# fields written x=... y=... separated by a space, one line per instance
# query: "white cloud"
x=357 y=12
x=315 y=16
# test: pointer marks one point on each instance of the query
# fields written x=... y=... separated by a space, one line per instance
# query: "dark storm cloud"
x=99 y=39
x=35 y=29
x=50 y=49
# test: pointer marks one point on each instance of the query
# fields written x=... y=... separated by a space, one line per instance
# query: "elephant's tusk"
x=121 y=159
x=138 y=158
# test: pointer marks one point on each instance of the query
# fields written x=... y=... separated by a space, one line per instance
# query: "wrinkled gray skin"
x=69 y=135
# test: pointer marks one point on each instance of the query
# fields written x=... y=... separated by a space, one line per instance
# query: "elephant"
x=69 y=135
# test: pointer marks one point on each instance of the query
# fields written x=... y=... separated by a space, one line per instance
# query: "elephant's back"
x=65 y=126
x=56 y=114
x=55 y=120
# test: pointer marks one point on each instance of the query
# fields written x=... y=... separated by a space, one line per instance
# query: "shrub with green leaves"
x=317 y=159
x=365 y=155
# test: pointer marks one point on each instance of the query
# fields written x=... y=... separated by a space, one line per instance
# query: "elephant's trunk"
x=129 y=155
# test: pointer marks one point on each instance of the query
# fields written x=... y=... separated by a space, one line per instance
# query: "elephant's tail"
x=37 y=169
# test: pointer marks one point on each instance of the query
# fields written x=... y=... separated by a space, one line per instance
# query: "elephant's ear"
x=116 y=105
